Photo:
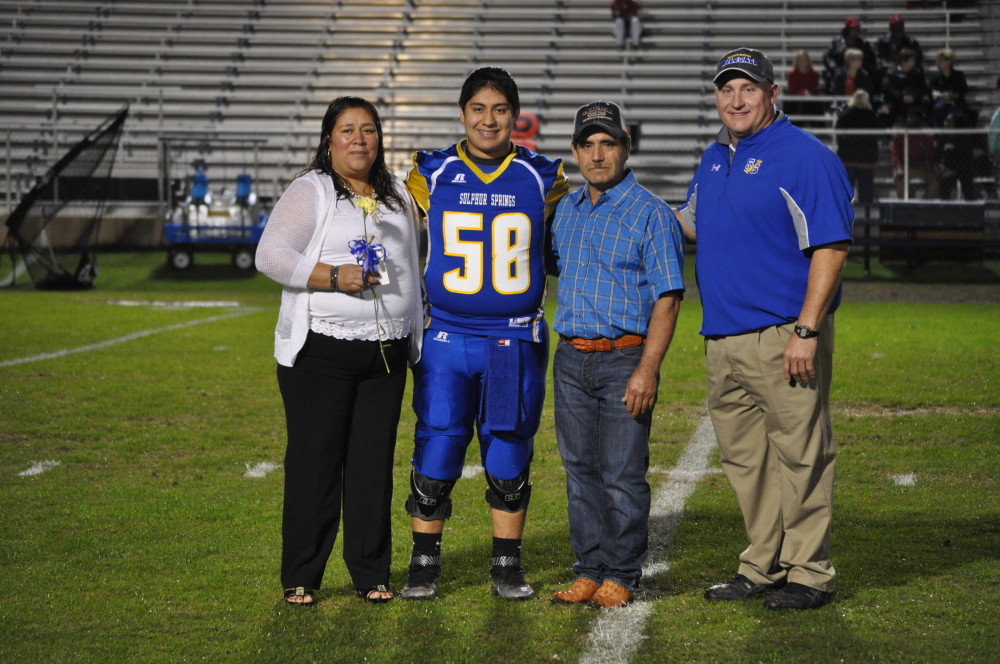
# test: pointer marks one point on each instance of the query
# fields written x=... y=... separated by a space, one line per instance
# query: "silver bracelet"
x=335 y=278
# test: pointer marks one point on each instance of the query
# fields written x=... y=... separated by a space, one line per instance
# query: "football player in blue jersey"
x=488 y=203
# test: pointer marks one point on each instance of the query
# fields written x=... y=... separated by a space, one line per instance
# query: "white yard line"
x=39 y=467
x=261 y=469
x=617 y=633
x=127 y=337
x=163 y=304
x=908 y=479
x=468 y=472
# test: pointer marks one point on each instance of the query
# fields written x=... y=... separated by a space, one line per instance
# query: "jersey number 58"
x=510 y=235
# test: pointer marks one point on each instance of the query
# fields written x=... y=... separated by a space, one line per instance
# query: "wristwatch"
x=805 y=332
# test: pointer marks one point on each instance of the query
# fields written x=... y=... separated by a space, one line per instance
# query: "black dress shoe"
x=738 y=587
x=798 y=596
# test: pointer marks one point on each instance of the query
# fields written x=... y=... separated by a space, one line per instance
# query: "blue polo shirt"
x=615 y=257
x=757 y=213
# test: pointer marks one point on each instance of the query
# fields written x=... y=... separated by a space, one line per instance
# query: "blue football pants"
x=449 y=387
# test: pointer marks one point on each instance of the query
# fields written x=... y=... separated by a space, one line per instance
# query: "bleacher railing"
x=279 y=157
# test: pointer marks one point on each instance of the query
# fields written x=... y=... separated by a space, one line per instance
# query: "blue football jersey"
x=486 y=234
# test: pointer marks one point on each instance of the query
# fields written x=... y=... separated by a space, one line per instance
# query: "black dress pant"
x=341 y=410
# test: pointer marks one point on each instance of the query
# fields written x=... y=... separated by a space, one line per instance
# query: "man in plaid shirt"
x=619 y=253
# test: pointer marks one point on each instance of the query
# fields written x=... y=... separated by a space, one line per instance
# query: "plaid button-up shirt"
x=616 y=258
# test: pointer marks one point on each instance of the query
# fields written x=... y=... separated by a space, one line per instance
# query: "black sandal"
x=300 y=592
x=367 y=594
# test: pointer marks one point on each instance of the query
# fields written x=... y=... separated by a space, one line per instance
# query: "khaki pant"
x=777 y=451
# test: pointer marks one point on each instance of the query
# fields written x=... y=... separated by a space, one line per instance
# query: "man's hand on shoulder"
x=687 y=228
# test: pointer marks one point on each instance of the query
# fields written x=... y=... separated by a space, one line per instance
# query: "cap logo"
x=598 y=113
x=740 y=58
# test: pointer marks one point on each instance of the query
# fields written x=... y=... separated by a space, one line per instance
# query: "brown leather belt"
x=604 y=345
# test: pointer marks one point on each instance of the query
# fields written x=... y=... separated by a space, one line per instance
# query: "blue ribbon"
x=367 y=255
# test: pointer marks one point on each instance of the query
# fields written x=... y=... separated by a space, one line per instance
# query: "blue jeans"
x=605 y=452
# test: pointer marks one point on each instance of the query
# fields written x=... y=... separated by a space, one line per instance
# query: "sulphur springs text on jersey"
x=480 y=198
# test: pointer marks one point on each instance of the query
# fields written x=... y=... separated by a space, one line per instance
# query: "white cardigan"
x=290 y=247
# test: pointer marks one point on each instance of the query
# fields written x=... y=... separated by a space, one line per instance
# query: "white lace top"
x=309 y=224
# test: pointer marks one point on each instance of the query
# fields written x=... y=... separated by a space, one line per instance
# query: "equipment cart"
x=185 y=239
x=195 y=221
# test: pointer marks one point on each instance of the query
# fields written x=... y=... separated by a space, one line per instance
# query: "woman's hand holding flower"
x=351 y=278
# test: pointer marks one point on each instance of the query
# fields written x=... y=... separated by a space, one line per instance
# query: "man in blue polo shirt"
x=771 y=209
x=619 y=254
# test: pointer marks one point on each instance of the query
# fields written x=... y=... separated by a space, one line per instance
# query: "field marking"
x=192 y=304
x=261 y=469
x=908 y=412
x=905 y=480
x=127 y=337
x=684 y=474
x=468 y=472
x=39 y=467
x=617 y=633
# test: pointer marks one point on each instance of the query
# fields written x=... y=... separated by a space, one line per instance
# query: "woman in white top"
x=342 y=240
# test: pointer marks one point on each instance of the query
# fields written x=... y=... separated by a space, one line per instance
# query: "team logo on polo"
x=753 y=165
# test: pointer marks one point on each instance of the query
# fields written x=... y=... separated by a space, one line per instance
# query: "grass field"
x=147 y=543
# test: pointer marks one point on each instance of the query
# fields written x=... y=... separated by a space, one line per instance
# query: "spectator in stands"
x=956 y=159
x=803 y=81
x=920 y=158
x=903 y=89
x=625 y=14
x=852 y=77
x=889 y=46
x=859 y=152
x=342 y=243
x=850 y=37
x=948 y=88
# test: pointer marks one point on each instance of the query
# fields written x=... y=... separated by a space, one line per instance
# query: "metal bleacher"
x=267 y=69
